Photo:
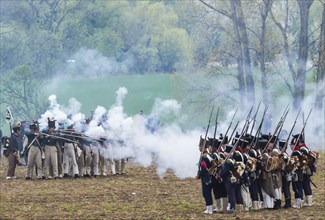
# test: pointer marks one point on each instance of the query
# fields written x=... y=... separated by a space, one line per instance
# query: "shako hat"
x=34 y=125
x=51 y=123
x=261 y=144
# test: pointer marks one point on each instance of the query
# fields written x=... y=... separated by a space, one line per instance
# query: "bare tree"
x=321 y=65
x=22 y=90
x=244 y=71
x=299 y=75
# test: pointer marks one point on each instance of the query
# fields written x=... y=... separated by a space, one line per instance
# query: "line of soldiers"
x=59 y=154
x=243 y=177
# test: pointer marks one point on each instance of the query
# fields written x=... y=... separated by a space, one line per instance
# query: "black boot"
x=276 y=204
x=279 y=204
x=287 y=203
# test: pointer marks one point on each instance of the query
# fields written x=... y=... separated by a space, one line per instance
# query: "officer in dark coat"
x=12 y=152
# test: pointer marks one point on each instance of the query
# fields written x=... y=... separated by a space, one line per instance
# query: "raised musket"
x=232 y=133
x=254 y=118
x=258 y=131
x=284 y=148
x=282 y=119
x=215 y=129
x=234 y=147
x=302 y=130
x=205 y=139
x=247 y=121
x=224 y=137
x=279 y=131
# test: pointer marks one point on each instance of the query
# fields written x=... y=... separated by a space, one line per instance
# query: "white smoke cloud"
x=169 y=147
x=90 y=63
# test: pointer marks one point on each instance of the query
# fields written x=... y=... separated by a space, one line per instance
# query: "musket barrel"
x=284 y=148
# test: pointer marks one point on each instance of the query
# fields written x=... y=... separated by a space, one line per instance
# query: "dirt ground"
x=139 y=194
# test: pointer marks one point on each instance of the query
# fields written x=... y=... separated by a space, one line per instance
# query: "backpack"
x=5 y=144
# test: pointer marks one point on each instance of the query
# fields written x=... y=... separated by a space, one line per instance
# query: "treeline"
x=245 y=40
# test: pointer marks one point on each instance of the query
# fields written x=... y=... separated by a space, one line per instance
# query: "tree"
x=299 y=74
x=321 y=66
x=242 y=54
x=23 y=92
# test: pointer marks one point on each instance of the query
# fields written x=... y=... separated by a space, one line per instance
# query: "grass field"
x=140 y=194
x=91 y=92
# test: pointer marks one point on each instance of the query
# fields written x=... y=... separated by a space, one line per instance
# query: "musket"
x=302 y=130
x=279 y=131
x=234 y=147
x=215 y=129
x=282 y=119
x=58 y=137
x=205 y=139
x=284 y=148
x=247 y=120
x=313 y=184
x=224 y=137
x=82 y=136
x=233 y=132
x=258 y=131
x=254 y=118
x=303 y=121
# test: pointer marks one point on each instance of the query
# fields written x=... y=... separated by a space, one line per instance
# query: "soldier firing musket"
x=75 y=134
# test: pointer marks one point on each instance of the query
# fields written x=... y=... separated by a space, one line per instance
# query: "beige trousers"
x=34 y=158
x=51 y=159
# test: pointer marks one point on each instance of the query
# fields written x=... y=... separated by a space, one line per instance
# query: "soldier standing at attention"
x=206 y=179
x=13 y=152
x=50 y=151
x=34 y=152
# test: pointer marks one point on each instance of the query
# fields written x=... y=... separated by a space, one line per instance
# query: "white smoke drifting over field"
x=151 y=140
x=167 y=146
x=91 y=63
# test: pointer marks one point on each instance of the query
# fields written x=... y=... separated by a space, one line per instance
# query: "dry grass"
x=140 y=194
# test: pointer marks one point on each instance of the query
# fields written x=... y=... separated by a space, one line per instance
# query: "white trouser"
x=267 y=200
x=278 y=193
x=247 y=201
x=70 y=153
x=95 y=159
x=34 y=158
x=51 y=160
x=84 y=162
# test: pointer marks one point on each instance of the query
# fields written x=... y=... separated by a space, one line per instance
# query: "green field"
x=143 y=90
x=92 y=92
